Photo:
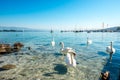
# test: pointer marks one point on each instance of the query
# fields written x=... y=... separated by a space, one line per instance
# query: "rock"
x=105 y=75
x=8 y=66
x=5 y=48
x=17 y=46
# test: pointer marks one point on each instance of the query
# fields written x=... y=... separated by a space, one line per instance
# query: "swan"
x=53 y=43
x=63 y=50
x=110 y=50
x=70 y=58
x=89 y=41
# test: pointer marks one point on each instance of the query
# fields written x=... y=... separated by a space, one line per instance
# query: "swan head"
x=111 y=42
x=61 y=44
x=72 y=52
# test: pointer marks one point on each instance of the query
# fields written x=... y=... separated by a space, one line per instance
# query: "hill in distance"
x=17 y=29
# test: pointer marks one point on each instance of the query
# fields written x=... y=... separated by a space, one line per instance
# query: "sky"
x=60 y=14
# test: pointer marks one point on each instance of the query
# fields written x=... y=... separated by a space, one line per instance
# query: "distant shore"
x=11 y=30
x=113 y=29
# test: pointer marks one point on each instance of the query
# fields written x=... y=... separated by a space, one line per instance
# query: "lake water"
x=91 y=59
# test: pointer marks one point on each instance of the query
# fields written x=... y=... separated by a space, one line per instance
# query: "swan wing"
x=89 y=41
x=108 y=49
x=68 y=59
x=70 y=62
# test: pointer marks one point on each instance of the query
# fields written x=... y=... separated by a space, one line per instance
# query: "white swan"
x=89 y=41
x=53 y=43
x=110 y=50
x=70 y=55
x=63 y=50
x=70 y=58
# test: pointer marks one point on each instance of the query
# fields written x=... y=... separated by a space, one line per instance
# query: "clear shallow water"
x=91 y=59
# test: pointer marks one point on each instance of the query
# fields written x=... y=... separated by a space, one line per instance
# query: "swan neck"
x=111 y=46
x=87 y=38
x=71 y=55
x=53 y=38
x=62 y=46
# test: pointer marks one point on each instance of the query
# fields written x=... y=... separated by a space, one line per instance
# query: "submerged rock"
x=17 y=46
x=5 y=48
x=8 y=66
